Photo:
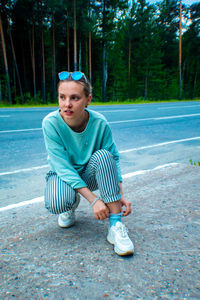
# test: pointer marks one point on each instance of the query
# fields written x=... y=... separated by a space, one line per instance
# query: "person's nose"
x=68 y=102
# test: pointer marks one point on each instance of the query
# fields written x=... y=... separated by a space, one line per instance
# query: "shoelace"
x=123 y=230
x=67 y=214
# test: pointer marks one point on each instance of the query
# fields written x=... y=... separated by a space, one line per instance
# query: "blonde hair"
x=87 y=87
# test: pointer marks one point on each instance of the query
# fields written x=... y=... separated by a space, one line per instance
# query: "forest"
x=128 y=49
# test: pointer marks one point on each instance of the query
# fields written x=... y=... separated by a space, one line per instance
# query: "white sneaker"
x=67 y=219
x=118 y=236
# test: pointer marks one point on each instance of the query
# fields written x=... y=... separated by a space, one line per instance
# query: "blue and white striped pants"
x=100 y=173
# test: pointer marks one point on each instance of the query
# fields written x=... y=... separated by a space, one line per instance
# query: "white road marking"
x=155 y=119
x=23 y=203
x=161 y=144
x=116 y=122
x=116 y=110
x=128 y=175
x=174 y=107
x=122 y=151
x=141 y=172
x=20 y=130
x=23 y=170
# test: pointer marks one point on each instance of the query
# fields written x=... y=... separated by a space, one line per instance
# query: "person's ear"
x=89 y=99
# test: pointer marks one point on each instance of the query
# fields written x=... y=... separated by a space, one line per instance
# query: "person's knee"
x=51 y=203
x=57 y=205
x=48 y=205
x=103 y=156
x=59 y=197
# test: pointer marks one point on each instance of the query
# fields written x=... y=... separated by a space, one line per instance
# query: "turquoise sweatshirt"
x=70 y=151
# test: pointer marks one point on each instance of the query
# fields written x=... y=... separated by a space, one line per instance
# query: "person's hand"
x=127 y=204
x=100 y=210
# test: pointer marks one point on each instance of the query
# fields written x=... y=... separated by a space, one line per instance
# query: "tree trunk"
x=43 y=66
x=5 y=61
x=14 y=82
x=146 y=86
x=86 y=59
x=129 y=59
x=16 y=67
x=75 y=42
x=25 y=79
x=54 y=59
x=129 y=68
x=33 y=61
x=90 y=51
x=79 y=60
x=104 y=65
x=68 y=46
x=90 y=57
x=180 y=52
x=195 y=81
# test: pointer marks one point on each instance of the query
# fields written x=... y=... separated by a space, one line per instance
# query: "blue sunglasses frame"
x=76 y=75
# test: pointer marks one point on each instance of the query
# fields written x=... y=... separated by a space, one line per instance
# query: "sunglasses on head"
x=77 y=75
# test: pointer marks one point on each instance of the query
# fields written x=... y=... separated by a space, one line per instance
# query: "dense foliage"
x=128 y=49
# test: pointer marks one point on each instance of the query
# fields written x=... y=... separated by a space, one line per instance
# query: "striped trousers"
x=99 y=174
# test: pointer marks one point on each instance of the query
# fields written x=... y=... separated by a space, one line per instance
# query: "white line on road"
x=116 y=122
x=20 y=130
x=181 y=106
x=23 y=203
x=141 y=172
x=122 y=151
x=155 y=119
x=24 y=170
x=116 y=110
x=161 y=144
x=128 y=175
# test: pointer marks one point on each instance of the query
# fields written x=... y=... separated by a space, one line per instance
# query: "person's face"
x=72 y=101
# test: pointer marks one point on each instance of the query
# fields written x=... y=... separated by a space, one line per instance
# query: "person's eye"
x=74 y=97
x=62 y=97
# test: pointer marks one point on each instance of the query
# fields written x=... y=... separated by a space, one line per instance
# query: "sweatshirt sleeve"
x=109 y=144
x=59 y=158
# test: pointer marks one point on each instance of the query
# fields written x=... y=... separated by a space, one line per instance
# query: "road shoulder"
x=41 y=260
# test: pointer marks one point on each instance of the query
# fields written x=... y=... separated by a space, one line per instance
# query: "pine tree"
x=191 y=54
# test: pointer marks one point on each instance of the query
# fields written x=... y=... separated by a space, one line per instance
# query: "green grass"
x=139 y=101
x=2 y=105
x=193 y=163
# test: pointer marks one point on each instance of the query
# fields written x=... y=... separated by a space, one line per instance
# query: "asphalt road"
x=147 y=136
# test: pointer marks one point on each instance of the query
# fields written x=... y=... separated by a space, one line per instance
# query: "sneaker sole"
x=118 y=251
x=76 y=204
x=127 y=253
x=64 y=226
